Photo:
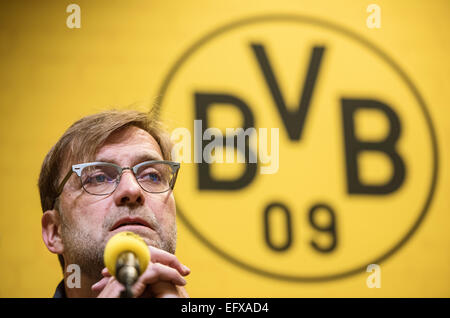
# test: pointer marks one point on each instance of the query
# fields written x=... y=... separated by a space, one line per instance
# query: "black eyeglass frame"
x=78 y=169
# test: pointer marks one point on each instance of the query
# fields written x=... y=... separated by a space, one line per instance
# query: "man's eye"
x=100 y=178
x=96 y=179
x=152 y=177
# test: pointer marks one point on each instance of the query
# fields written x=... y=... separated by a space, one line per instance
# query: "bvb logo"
x=357 y=149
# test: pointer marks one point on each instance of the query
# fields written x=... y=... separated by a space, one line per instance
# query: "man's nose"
x=128 y=190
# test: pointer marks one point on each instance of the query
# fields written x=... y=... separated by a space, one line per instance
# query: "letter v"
x=293 y=120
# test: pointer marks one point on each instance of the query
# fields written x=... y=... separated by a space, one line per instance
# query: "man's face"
x=89 y=221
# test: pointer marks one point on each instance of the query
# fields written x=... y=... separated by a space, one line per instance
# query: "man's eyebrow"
x=147 y=157
x=138 y=159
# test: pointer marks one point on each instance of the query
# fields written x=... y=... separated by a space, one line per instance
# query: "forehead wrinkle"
x=130 y=137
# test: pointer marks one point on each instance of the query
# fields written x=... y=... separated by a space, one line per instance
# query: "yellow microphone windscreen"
x=126 y=242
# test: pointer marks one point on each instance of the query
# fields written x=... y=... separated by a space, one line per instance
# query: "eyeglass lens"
x=103 y=179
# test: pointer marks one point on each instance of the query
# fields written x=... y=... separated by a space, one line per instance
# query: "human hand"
x=163 y=278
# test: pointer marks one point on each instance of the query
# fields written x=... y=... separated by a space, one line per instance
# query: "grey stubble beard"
x=81 y=248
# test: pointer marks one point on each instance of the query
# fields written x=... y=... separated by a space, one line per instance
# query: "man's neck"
x=81 y=290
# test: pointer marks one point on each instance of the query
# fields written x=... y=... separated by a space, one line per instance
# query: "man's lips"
x=130 y=221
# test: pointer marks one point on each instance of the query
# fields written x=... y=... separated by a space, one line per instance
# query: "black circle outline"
x=327 y=25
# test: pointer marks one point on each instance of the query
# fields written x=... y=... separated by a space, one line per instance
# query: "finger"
x=106 y=273
x=112 y=289
x=157 y=273
x=98 y=286
x=166 y=258
x=182 y=292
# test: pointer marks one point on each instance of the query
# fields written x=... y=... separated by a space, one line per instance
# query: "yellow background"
x=52 y=75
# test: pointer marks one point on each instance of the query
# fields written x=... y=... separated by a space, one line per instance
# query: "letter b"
x=206 y=181
x=354 y=146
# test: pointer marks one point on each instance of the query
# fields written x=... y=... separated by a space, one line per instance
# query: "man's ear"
x=51 y=231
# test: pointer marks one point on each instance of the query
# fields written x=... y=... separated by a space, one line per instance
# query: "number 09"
x=328 y=228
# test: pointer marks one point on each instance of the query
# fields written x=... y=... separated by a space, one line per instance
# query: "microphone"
x=126 y=257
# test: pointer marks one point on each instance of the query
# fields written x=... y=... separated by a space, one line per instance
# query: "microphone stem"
x=127 y=272
x=126 y=293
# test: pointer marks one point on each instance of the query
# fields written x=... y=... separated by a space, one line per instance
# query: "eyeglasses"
x=102 y=178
